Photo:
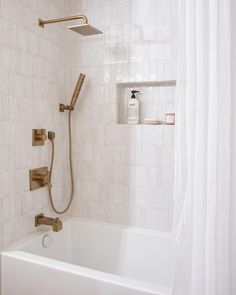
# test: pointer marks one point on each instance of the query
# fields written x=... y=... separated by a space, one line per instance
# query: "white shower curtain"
x=203 y=102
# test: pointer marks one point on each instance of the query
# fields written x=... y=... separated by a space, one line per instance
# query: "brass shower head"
x=84 y=29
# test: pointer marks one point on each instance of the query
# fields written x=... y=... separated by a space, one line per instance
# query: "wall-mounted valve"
x=39 y=177
x=38 y=137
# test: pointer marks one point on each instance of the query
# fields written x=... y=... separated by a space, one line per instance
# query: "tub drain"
x=47 y=241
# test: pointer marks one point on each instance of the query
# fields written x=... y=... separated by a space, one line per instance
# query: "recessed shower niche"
x=156 y=99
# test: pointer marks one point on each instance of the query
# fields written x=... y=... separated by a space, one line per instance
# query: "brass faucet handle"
x=44 y=178
x=39 y=136
x=39 y=177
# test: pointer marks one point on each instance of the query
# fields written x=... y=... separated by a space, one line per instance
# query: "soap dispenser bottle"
x=133 y=108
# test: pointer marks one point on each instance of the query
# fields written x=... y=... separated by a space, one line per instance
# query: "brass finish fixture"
x=51 y=137
x=62 y=19
x=75 y=95
x=38 y=178
x=77 y=90
x=63 y=107
x=56 y=223
x=84 y=29
x=38 y=137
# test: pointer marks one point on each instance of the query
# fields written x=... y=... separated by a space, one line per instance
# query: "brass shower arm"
x=62 y=19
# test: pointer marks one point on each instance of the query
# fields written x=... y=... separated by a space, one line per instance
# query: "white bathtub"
x=89 y=258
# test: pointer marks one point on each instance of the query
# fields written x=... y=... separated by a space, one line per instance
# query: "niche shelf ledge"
x=156 y=99
x=167 y=83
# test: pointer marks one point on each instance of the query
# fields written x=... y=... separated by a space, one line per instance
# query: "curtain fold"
x=202 y=188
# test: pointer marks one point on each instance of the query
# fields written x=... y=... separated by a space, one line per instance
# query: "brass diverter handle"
x=39 y=136
x=42 y=178
x=39 y=177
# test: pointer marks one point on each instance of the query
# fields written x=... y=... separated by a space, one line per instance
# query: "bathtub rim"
x=13 y=251
x=42 y=230
x=87 y=272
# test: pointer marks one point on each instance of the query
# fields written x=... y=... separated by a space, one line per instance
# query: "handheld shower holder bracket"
x=63 y=107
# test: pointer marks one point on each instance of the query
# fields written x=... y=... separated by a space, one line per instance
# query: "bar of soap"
x=152 y=121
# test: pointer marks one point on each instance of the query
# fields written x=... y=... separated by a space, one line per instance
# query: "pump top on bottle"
x=133 y=108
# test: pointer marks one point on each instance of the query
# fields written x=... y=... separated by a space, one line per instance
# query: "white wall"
x=120 y=174
x=33 y=65
x=233 y=170
x=124 y=174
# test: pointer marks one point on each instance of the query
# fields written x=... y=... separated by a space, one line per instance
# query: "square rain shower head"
x=85 y=30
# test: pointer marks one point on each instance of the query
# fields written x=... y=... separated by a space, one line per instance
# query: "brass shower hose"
x=71 y=170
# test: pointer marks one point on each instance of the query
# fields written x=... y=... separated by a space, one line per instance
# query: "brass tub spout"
x=56 y=223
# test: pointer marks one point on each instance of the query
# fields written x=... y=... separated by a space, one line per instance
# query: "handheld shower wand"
x=51 y=136
x=77 y=90
x=75 y=95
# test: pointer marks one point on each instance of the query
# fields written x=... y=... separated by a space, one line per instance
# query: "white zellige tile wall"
x=33 y=65
x=124 y=174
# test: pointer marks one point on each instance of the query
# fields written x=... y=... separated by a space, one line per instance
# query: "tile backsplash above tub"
x=124 y=174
